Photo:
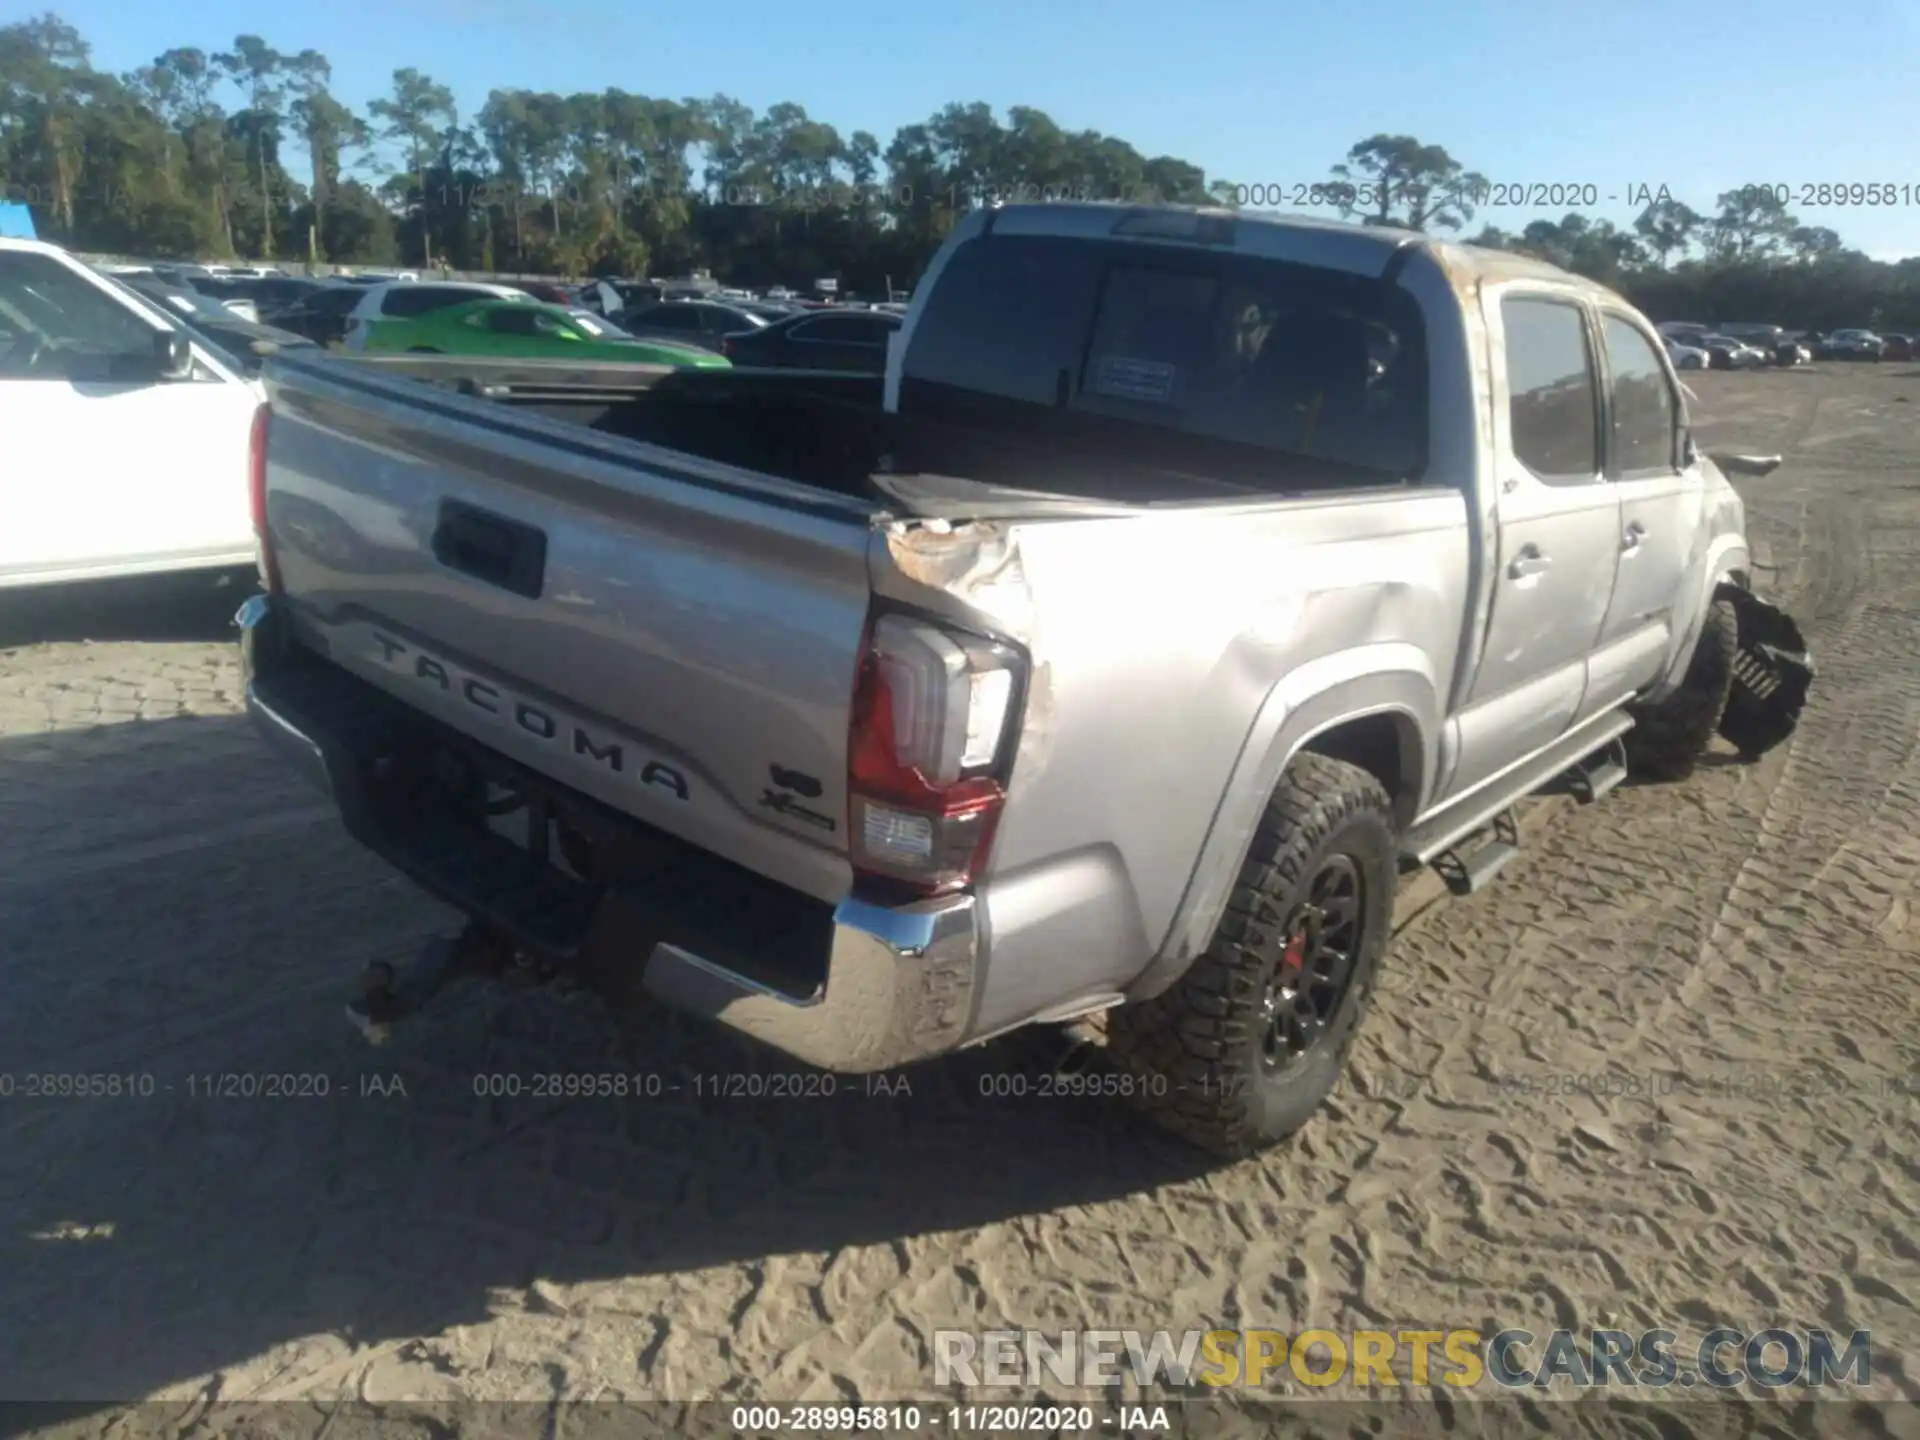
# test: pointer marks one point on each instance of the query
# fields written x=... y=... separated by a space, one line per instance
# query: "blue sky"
x=1699 y=96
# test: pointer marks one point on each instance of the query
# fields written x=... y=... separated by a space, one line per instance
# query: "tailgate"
x=675 y=638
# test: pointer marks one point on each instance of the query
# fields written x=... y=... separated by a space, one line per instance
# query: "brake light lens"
x=932 y=730
x=257 y=498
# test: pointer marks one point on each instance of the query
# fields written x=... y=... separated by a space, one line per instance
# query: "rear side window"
x=511 y=322
x=411 y=300
x=1644 y=429
x=670 y=317
x=1551 y=403
x=844 y=330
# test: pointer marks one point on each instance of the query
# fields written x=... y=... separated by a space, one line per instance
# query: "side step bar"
x=1453 y=841
x=1472 y=870
x=1599 y=774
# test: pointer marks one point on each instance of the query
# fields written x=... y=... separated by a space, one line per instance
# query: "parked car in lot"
x=322 y=315
x=1851 y=345
x=527 y=329
x=275 y=294
x=1095 y=658
x=768 y=310
x=807 y=341
x=125 y=435
x=695 y=322
x=241 y=342
x=180 y=271
x=1896 y=347
x=1687 y=357
x=1686 y=332
x=1762 y=337
x=1727 y=353
x=410 y=299
x=1792 y=352
x=231 y=291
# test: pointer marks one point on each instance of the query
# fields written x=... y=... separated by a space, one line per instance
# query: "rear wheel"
x=1250 y=1041
x=1668 y=739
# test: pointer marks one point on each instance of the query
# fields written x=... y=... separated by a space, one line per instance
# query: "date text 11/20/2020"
x=1366 y=195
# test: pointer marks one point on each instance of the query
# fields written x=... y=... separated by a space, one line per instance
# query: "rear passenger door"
x=1660 y=501
x=1557 y=527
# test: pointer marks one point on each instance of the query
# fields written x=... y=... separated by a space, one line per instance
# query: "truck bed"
x=830 y=432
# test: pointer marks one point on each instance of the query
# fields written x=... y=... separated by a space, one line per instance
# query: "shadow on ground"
x=192 y=1221
x=159 y=608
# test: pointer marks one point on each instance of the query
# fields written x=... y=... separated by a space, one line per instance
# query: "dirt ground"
x=175 y=905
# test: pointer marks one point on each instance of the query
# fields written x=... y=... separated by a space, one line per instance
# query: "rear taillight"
x=257 y=498
x=933 y=722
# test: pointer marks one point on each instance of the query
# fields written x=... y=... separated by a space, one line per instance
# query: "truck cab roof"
x=1309 y=239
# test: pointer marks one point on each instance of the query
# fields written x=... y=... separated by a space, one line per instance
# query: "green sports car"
x=527 y=330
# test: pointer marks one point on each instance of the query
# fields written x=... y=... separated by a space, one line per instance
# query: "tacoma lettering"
x=543 y=724
x=583 y=745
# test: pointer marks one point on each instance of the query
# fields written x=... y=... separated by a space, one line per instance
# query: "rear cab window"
x=1253 y=369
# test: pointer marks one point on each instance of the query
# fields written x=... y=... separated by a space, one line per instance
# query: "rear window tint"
x=1219 y=347
x=1007 y=318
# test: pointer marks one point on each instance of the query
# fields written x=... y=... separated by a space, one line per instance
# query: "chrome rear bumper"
x=901 y=982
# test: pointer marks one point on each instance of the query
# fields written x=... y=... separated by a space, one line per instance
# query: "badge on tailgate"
x=491 y=548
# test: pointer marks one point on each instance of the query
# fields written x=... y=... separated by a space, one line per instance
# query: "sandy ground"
x=174 y=905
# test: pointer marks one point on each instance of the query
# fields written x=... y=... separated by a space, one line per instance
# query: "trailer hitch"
x=388 y=996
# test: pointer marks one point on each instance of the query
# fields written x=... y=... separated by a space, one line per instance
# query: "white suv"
x=404 y=299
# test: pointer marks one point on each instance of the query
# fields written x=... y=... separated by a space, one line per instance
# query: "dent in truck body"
x=1145 y=694
x=1723 y=556
x=1419 y=689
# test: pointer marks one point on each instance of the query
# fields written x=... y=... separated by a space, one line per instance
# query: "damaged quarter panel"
x=1157 y=642
x=1719 y=553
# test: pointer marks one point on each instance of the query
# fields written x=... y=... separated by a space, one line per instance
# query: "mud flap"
x=1772 y=674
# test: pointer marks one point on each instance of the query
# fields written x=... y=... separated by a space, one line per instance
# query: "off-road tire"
x=1668 y=739
x=1194 y=1054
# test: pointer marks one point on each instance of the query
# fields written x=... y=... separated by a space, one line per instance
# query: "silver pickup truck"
x=1187 y=579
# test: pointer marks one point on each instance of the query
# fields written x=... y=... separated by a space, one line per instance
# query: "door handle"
x=1530 y=561
x=1636 y=532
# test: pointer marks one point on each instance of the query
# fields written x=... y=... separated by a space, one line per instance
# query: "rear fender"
x=1386 y=679
x=1727 y=559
